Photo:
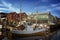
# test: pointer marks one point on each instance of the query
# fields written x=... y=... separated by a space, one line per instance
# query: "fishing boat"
x=23 y=29
x=31 y=30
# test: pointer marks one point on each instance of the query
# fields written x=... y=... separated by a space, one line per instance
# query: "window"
x=45 y=16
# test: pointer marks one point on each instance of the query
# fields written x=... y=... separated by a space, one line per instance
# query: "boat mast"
x=20 y=6
x=36 y=12
x=31 y=17
x=20 y=10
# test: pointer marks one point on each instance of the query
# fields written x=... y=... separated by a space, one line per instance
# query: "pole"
x=36 y=12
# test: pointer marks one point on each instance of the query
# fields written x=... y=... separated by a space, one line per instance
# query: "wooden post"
x=9 y=35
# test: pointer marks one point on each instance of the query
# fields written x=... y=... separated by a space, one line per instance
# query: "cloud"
x=57 y=8
x=48 y=10
x=10 y=7
x=44 y=8
x=3 y=9
x=55 y=5
x=51 y=7
x=1 y=5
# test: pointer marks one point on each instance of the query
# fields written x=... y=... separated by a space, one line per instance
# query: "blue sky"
x=29 y=6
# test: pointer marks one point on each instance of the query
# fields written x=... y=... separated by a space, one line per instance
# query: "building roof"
x=3 y=13
x=41 y=13
x=44 y=13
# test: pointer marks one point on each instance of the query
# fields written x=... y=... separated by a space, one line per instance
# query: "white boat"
x=29 y=31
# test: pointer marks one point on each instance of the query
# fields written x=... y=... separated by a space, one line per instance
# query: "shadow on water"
x=57 y=35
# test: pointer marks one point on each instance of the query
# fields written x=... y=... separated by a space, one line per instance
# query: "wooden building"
x=13 y=18
x=2 y=16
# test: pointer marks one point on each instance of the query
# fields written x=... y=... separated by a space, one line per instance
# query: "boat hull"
x=29 y=35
